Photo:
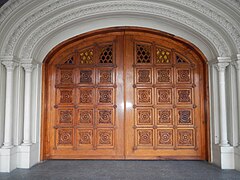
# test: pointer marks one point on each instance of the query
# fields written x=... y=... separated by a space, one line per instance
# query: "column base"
x=26 y=144
x=28 y=155
x=7 y=146
x=8 y=159
x=227 y=157
x=237 y=158
x=223 y=156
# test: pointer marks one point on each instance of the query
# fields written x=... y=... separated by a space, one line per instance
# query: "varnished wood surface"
x=125 y=93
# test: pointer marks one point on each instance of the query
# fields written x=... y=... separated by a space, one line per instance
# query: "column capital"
x=221 y=66
x=236 y=64
x=28 y=67
x=10 y=65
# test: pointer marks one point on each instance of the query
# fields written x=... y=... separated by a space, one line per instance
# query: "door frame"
x=45 y=78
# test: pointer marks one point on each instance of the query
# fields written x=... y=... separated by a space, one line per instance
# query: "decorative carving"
x=86 y=116
x=221 y=67
x=164 y=116
x=144 y=76
x=106 y=76
x=105 y=137
x=145 y=137
x=105 y=116
x=86 y=56
x=28 y=67
x=106 y=55
x=9 y=65
x=184 y=95
x=185 y=138
x=69 y=61
x=144 y=116
x=180 y=60
x=164 y=95
x=86 y=96
x=184 y=116
x=143 y=53
x=66 y=77
x=163 y=56
x=105 y=96
x=152 y=8
x=183 y=76
x=65 y=136
x=144 y=95
x=85 y=137
x=86 y=76
x=66 y=116
x=165 y=137
x=164 y=75
x=66 y=96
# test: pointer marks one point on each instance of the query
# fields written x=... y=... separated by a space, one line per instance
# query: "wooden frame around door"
x=45 y=78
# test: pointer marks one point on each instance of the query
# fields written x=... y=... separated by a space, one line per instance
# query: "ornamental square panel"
x=184 y=75
x=105 y=116
x=105 y=96
x=105 y=138
x=184 y=96
x=106 y=56
x=185 y=137
x=144 y=116
x=145 y=137
x=143 y=54
x=64 y=137
x=85 y=137
x=85 y=116
x=66 y=76
x=165 y=137
x=65 y=116
x=164 y=116
x=185 y=116
x=86 y=57
x=164 y=96
x=144 y=96
x=106 y=76
x=86 y=96
x=86 y=76
x=163 y=56
x=164 y=75
x=143 y=75
x=65 y=96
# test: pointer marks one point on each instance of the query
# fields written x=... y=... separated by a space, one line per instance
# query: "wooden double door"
x=124 y=95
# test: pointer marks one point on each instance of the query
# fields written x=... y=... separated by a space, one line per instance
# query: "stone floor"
x=130 y=170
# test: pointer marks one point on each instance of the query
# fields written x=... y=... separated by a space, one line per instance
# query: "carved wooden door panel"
x=86 y=94
x=166 y=119
x=125 y=94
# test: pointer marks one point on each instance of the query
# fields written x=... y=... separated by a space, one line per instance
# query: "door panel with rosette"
x=125 y=94
x=86 y=93
x=164 y=84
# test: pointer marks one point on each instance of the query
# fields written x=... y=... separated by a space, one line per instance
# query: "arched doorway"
x=125 y=93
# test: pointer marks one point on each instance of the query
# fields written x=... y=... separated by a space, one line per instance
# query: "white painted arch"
x=30 y=29
x=28 y=24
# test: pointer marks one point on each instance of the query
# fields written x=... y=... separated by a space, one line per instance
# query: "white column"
x=237 y=66
x=27 y=139
x=8 y=129
x=221 y=67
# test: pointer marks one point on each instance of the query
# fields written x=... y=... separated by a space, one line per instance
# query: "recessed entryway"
x=125 y=93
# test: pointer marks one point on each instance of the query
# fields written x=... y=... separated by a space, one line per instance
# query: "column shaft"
x=8 y=129
x=27 y=139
